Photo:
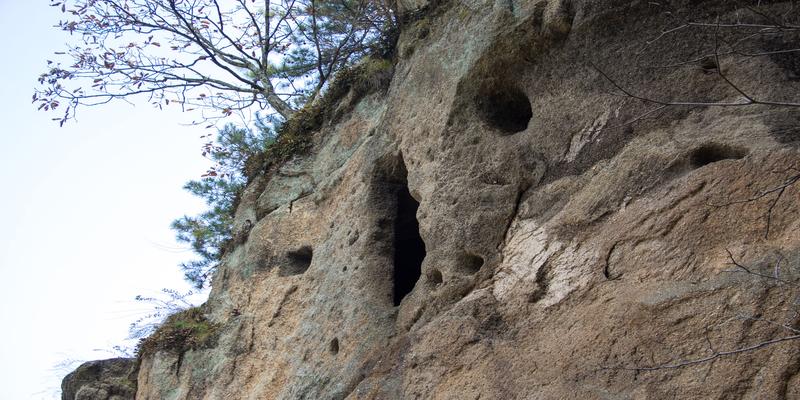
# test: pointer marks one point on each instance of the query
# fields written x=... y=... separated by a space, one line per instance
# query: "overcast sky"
x=84 y=213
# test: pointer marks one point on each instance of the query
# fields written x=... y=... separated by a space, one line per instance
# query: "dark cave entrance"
x=298 y=261
x=396 y=239
x=505 y=108
x=712 y=152
x=409 y=249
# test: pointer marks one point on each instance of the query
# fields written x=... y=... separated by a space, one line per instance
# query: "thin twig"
x=714 y=356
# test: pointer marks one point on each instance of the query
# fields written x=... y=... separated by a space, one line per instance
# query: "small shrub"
x=180 y=332
x=209 y=234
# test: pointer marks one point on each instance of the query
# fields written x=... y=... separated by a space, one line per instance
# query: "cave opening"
x=470 y=263
x=409 y=248
x=298 y=261
x=712 y=152
x=505 y=108
x=333 y=347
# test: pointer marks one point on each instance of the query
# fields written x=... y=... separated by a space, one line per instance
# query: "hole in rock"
x=409 y=249
x=298 y=261
x=334 y=346
x=505 y=108
x=711 y=153
x=435 y=277
x=709 y=65
x=471 y=263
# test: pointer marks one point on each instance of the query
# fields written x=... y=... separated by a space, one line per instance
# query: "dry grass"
x=182 y=331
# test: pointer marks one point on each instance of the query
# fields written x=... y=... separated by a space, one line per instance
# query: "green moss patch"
x=180 y=332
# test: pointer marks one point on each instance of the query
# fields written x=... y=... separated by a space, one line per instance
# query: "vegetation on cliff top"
x=208 y=232
x=180 y=332
x=301 y=62
x=296 y=59
x=240 y=154
x=219 y=58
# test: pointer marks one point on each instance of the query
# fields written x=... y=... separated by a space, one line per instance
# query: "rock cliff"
x=112 y=379
x=524 y=214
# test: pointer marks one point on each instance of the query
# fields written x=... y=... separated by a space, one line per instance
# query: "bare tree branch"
x=207 y=54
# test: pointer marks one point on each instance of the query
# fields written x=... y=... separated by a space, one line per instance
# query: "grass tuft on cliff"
x=180 y=332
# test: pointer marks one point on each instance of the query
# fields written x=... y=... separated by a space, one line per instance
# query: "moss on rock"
x=180 y=332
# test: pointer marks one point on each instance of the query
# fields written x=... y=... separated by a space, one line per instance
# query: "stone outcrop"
x=505 y=222
x=112 y=379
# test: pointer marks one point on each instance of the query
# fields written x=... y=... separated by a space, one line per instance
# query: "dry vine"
x=764 y=25
x=758 y=25
x=778 y=190
x=789 y=325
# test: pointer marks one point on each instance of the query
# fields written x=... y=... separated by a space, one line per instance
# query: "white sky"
x=84 y=213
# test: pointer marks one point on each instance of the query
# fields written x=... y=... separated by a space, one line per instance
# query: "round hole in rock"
x=298 y=261
x=505 y=108
x=713 y=152
x=471 y=263
x=334 y=346
x=435 y=277
x=709 y=65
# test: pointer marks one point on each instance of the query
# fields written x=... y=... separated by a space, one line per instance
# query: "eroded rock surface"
x=112 y=379
x=571 y=236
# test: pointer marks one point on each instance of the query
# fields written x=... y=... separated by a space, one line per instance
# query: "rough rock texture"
x=112 y=379
x=572 y=236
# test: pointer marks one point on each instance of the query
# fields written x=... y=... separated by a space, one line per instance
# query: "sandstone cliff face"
x=567 y=235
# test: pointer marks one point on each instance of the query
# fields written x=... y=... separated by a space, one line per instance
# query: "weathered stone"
x=410 y=6
x=571 y=235
x=112 y=379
